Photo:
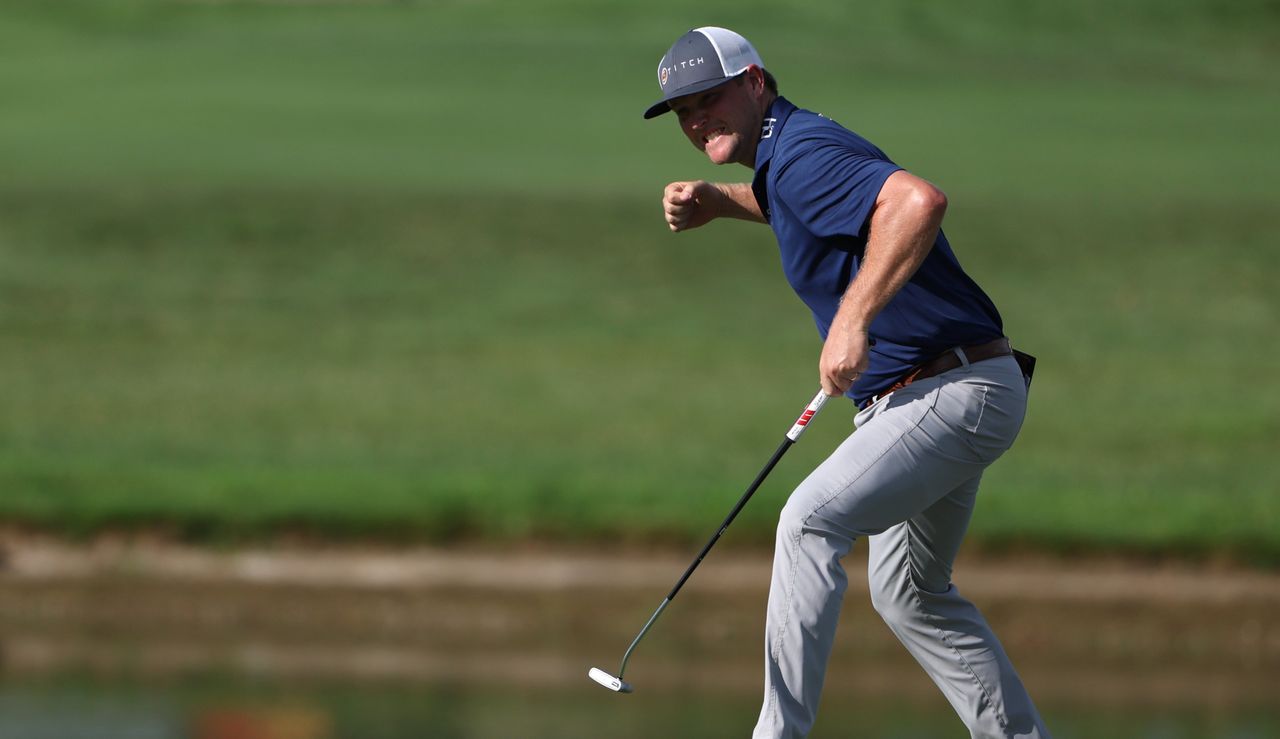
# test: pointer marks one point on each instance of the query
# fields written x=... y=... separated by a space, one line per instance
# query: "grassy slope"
x=397 y=268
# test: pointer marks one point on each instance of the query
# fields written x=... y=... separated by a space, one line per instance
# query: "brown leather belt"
x=948 y=361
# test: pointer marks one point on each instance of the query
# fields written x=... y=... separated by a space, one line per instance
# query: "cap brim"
x=662 y=105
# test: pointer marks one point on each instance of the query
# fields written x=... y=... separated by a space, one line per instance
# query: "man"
x=909 y=337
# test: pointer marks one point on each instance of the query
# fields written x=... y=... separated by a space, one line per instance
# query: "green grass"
x=398 y=269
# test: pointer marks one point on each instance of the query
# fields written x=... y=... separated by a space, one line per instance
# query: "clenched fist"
x=688 y=205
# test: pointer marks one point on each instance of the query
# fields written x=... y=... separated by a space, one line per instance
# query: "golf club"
x=617 y=684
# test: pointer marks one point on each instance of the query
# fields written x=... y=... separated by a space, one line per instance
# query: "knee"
x=890 y=596
x=899 y=595
x=792 y=520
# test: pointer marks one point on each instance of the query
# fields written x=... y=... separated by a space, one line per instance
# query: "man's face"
x=724 y=122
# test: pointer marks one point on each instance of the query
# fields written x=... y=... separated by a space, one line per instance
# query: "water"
x=231 y=707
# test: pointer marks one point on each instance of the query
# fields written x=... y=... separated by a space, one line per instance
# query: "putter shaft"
x=792 y=436
x=645 y=630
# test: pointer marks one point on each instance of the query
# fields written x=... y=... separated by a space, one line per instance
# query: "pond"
x=237 y=707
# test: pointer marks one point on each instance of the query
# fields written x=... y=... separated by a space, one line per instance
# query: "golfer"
x=909 y=337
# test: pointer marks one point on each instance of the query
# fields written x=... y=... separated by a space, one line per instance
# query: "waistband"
x=948 y=361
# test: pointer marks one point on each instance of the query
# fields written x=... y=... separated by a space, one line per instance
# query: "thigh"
x=929 y=541
x=905 y=456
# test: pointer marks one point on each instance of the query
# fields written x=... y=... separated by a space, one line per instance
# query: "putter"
x=617 y=684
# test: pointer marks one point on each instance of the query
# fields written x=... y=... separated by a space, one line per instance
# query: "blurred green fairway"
x=398 y=269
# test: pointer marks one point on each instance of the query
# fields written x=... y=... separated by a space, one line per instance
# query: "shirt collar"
x=774 y=119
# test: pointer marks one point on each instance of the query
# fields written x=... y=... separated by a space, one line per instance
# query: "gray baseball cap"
x=700 y=60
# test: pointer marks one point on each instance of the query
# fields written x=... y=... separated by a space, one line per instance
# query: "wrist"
x=851 y=325
x=850 y=314
x=738 y=200
x=723 y=197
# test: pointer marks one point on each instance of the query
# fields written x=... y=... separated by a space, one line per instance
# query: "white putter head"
x=617 y=685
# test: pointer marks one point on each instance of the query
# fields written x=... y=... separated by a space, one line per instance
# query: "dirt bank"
x=1092 y=631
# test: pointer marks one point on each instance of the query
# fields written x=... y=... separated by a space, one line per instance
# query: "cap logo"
x=665 y=73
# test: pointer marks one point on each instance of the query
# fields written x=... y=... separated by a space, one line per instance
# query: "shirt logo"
x=766 y=131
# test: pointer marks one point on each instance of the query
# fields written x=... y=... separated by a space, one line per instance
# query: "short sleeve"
x=832 y=188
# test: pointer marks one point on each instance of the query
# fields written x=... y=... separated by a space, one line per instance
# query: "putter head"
x=617 y=685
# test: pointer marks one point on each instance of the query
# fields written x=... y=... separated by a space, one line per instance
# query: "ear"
x=754 y=77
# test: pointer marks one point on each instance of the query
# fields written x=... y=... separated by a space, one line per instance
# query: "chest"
x=815 y=266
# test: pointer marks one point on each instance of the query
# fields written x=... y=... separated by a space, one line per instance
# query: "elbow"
x=930 y=202
x=939 y=203
x=910 y=202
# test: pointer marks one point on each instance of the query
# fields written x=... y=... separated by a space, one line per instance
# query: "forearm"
x=902 y=232
x=738 y=201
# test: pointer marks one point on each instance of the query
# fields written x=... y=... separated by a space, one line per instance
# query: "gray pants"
x=907 y=479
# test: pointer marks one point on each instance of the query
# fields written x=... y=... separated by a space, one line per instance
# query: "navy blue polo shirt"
x=817 y=183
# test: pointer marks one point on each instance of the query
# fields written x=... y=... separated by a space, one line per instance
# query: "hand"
x=688 y=205
x=844 y=357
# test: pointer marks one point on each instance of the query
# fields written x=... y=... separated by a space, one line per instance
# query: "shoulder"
x=817 y=152
x=814 y=153
x=826 y=175
x=807 y=132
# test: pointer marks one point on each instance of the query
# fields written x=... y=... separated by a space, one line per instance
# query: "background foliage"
x=369 y=269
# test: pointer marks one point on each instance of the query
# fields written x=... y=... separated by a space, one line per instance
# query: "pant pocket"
x=997 y=417
x=963 y=404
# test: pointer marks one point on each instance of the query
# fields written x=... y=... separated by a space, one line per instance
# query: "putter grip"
x=810 y=411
